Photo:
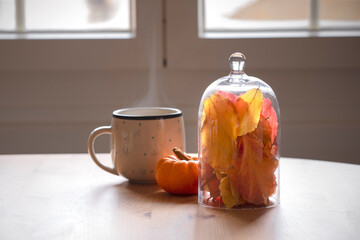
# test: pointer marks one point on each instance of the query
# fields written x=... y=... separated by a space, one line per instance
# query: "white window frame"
x=72 y=51
x=172 y=29
x=314 y=29
x=21 y=33
x=185 y=50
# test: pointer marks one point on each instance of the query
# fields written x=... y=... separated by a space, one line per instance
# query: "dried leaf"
x=209 y=180
x=241 y=106
x=226 y=194
x=238 y=198
x=269 y=113
x=253 y=171
x=218 y=132
x=264 y=132
x=250 y=113
x=232 y=97
x=230 y=196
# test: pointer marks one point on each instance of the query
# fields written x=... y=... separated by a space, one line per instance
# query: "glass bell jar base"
x=239 y=142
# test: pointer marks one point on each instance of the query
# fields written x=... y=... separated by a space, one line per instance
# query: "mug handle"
x=93 y=135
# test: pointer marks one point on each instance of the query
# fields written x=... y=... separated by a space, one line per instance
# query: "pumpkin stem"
x=180 y=154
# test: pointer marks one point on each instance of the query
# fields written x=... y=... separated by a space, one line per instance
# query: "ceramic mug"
x=140 y=137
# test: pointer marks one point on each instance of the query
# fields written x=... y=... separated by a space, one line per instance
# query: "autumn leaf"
x=249 y=106
x=226 y=194
x=241 y=106
x=264 y=132
x=218 y=132
x=236 y=194
x=269 y=113
x=232 y=97
x=209 y=180
x=253 y=171
x=230 y=196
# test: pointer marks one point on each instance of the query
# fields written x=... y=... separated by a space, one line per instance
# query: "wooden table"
x=68 y=197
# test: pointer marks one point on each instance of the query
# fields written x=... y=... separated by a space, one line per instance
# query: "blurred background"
x=66 y=65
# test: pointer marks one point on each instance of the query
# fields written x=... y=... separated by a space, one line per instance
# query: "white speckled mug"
x=140 y=137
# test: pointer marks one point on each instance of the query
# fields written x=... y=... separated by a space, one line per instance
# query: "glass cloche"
x=239 y=142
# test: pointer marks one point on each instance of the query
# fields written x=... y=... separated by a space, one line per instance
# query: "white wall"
x=45 y=112
x=53 y=93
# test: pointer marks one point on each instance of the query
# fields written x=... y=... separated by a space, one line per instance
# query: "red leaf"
x=253 y=171
x=269 y=113
x=209 y=179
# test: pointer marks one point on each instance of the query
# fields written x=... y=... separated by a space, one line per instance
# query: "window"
x=339 y=14
x=7 y=15
x=231 y=17
x=91 y=49
x=287 y=50
x=68 y=16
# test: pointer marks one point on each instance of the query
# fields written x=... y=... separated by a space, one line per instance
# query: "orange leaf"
x=264 y=132
x=253 y=171
x=241 y=106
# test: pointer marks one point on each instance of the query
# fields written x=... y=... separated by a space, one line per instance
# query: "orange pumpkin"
x=178 y=174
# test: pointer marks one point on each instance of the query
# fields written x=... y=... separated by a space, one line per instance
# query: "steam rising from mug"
x=155 y=95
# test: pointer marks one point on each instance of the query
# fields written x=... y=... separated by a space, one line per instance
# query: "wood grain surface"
x=68 y=197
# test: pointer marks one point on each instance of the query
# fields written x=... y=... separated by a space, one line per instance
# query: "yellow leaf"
x=230 y=196
x=225 y=193
x=236 y=194
x=218 y=132
x=250 y=112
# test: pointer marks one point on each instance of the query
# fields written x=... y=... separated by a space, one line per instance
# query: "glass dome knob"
x=237 y=63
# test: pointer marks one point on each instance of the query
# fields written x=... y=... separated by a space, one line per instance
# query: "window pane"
x=255 y=14
x=7 y=15
x=340 y=13
x=70 y=15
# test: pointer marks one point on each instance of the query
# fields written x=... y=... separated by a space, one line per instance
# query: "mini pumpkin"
x=178 y=174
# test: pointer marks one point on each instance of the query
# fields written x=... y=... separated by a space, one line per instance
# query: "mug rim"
x=173 y=113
